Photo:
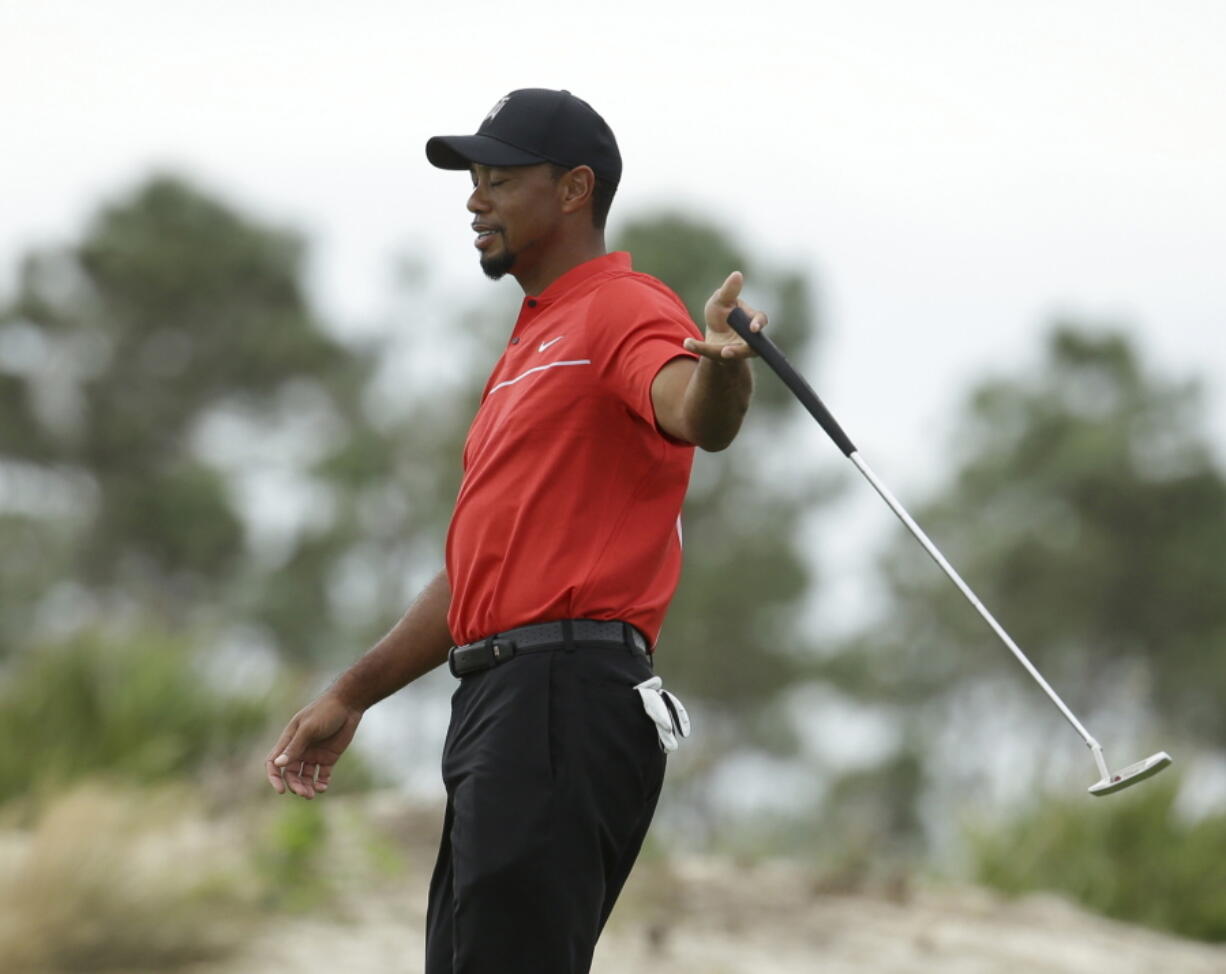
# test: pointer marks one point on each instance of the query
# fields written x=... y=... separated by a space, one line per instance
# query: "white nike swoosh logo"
x=545 y=345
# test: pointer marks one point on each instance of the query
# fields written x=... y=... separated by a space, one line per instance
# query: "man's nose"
x=477 y=203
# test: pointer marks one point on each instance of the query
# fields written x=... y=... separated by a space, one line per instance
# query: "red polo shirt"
x=571 y=498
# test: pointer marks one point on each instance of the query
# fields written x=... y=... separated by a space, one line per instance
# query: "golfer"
x=563 y=552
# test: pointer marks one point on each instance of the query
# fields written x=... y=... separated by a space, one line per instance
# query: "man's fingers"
x=285 y=765
x=729 y=291
x=757 y=319
x=273 y=763
x=274 y=778
x=304 y=736
x=307 y=774
x=731 y=288
x=719 y=350
x=300 y=779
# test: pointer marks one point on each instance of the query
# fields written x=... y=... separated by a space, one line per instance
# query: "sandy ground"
x=681 y=916
x=770 y=920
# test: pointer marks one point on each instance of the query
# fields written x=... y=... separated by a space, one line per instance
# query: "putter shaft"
x=1109 y=783
x=769 y=352
x=918 y=533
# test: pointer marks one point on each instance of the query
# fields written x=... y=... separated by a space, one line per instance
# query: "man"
x=562 y=555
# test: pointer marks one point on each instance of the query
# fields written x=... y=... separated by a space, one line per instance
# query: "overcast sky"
x=951 y=173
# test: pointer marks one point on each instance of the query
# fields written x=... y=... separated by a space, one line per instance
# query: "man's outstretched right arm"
x=316 y=736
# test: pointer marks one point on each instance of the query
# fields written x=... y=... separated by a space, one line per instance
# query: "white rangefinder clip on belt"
x=666 y=712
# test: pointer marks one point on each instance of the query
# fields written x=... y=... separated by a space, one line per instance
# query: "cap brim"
x=461 y=151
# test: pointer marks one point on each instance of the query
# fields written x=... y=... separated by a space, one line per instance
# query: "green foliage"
x=290 y=856
x=877 y=810
x=132 y=707
x=171 y=304
x=689 y=255
x=33 y=553
x=1086 y=510
x=115 y=353
x=1129 y=856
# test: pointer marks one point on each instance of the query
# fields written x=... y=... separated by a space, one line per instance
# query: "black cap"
x=534 y=125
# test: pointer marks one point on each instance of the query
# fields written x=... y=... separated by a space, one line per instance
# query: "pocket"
x=666 y=712
x=619 y=748
x=615 y=668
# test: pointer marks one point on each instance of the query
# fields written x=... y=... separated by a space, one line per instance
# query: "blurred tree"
x=172 y=308
x=733 y=645
x=1086 y=510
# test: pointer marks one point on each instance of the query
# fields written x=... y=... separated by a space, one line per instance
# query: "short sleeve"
x=640 y=328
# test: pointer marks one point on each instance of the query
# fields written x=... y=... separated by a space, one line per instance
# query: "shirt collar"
x=618 y=260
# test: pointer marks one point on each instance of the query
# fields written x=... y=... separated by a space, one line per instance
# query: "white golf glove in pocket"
x=665 y=711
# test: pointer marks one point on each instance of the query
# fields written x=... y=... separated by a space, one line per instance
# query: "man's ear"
x=577 y=188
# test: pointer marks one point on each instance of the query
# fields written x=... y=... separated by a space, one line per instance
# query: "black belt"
x=503 y=646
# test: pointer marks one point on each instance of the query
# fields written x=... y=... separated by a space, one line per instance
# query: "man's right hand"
x=310 y=746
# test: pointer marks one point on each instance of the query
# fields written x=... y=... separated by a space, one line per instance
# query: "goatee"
x=497 y=265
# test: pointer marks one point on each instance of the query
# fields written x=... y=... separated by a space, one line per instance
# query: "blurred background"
x=243 y=331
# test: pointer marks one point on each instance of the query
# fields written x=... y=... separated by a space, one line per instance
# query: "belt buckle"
x=497 y=650
x=502 y=649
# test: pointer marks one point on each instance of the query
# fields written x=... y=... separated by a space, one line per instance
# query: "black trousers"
x=553 y=771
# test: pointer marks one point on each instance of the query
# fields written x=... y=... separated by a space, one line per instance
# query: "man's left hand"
x=721 y=342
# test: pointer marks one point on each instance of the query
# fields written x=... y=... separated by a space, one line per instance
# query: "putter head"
x=1118 y=780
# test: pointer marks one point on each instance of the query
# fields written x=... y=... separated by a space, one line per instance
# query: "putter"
x=1111 y=781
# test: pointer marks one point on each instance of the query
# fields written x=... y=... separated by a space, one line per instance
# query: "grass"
x=134 y=707
x=122 y=880
x=114 y=877
x=1130 y=857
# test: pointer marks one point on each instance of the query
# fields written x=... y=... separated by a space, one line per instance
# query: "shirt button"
x=532 y=302
x=515 y=341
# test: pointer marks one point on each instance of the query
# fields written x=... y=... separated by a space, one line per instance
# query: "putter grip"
x=771 y=355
